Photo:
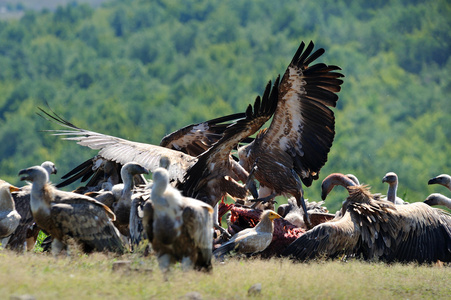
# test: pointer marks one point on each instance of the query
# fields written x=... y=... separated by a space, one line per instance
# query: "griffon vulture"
x=392 y=179
x=179 y=228
x=295 y=146
x=66 y=215
x=438 y=199
x=378 y=229
x=26 y=233
x=443 y=179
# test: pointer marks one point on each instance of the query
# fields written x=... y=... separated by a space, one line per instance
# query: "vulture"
x=66 y=215
x=378 y=230
x=251 y=240
x=443 y=179
x=294 y=147
x=179 y=228
x=392 y=179
x=27 y=232
x=9 y=217
x=438 y=199
x=122 y=207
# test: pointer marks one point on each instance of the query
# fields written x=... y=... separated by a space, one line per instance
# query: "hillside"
x=140 y=70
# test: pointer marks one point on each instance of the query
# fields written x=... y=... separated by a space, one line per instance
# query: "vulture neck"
x=391 y=193
x=40 y=195
x=127 y=178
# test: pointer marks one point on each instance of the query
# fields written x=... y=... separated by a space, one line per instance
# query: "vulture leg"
x=218 y=226
x=267 y=199
x=301 y=203
x=250 y=183
x=57 y=247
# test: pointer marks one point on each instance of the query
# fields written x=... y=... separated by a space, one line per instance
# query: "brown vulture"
x=295 y=146
x=27 y=232
x=179 y=228
x=378 y=230
x=251 y=240
x=9 y=217
x=66 y=215
x=443 y=179
x=392 y=179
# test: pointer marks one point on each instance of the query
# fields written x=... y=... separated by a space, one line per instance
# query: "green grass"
x=91 y=277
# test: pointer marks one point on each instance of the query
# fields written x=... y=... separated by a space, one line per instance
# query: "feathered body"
x=251 y=240
x=377 y=229
x=179 y=228
x=66 y=215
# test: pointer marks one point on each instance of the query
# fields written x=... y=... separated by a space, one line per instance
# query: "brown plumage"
x=251 y=240
x=377 y=229
x=9 y=217
x=179 y=228
x=26 y=233
x=66 y=215
x=295 y=146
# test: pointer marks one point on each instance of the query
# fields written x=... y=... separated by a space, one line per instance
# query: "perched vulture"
x=121 y=208
x=9 y=217
x=378 y=230
x=295 y=146
x=66 y=215
x=251 y=240
x=24 y=238
x=179 y=228
x=438 y=199
x=392 y=179
x=443 y=179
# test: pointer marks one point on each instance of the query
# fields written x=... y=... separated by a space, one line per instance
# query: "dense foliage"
x=141 y=69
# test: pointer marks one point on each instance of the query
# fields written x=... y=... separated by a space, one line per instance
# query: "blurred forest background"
x=142 y=69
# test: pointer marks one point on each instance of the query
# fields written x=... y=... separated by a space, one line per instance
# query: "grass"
x=81 y=276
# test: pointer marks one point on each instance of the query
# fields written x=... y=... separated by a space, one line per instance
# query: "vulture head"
x=332 y=180
x=436 y=199
x=390 y=178
x=36 y=174
x=6 y=200
x=443 y=179
x=49 y=167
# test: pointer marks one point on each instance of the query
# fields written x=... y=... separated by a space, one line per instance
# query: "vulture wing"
x=303 y=125
x=328 y=239
x=197 y=138
x=122 y=151
x=198 y=223
x=88 y=223
x=423 y=235
x=215 y=162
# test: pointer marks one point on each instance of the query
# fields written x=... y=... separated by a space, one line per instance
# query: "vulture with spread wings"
x=295 y=146
x=191 y=140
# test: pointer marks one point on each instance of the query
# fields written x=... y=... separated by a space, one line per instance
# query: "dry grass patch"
x=91 y=277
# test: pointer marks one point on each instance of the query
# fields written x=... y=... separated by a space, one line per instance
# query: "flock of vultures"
x=196 y=168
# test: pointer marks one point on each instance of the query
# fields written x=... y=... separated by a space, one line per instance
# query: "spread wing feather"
x=219 y=153
x=303 y=125
x=121 y=150
x=87 y=223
